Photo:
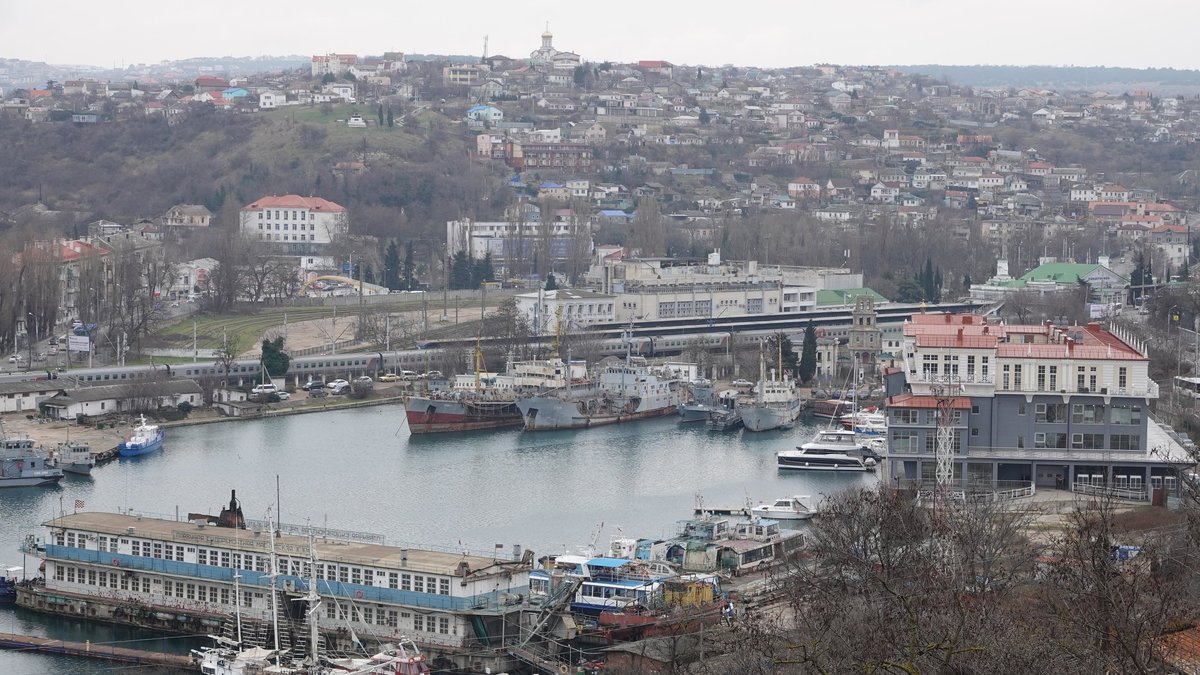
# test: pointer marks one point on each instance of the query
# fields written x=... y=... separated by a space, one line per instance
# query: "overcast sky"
x=1149 y=33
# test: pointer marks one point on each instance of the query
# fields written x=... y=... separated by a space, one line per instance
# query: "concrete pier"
x=31 y=643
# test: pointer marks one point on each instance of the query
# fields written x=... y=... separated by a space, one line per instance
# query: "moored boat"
x=625 y=392
x=74 y=457
x=775 y=405
x=785 y=508
x=8 y=585
x=146 y=438
x=23 y=465
x=464 y=412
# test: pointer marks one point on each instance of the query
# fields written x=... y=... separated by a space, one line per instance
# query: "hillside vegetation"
x=416 y=174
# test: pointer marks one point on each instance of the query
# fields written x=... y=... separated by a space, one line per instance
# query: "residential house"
x=294 y=224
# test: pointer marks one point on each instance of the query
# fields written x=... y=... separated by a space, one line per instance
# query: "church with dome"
x=547 y=56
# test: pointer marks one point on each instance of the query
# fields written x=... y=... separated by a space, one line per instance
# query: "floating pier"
x=30 y=643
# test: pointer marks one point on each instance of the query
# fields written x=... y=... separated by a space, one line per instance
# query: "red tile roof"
x=915 y=401
x=294 y=202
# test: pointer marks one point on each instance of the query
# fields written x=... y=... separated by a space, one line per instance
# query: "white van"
x=407 y=375
x=264 y=389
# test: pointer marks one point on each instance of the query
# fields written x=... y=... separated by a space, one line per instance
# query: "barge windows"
x=58 y=572
x=443 y=625
x=70 y=540
x=158 y=550
x=343 y=574
x=356 y=575
x=179 y=589
x=202 y=593
x=419 y=622
x=393 y=580
x=418 y=583
x=202 y=556
x=125 y=582
x=224 y=596
x=145 y=584
x=91 y=577
x=104 y=580
x=368 y=615
x=406 y=582
x=444 y=586
x=391 y=618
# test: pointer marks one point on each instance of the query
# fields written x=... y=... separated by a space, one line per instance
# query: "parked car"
x=389 y=377
x=264 y=389
x=282 y=395
x=364 y=379
x=15 y=358
x=313 y=385
x=334 y=384
x=408 y=375
x=431 y=375
x=319 y=392
x=341 y=387
x=742 y=383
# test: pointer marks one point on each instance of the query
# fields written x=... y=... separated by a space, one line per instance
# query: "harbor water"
x=361 y=470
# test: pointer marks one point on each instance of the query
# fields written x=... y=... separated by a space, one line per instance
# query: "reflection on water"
x=360 y=470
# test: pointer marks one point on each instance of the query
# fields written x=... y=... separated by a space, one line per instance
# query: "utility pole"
x=195 y=353
x=445 y=288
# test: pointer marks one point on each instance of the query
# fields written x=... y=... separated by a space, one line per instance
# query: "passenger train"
x=648 y=339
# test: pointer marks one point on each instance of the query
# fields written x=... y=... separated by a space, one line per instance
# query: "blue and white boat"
x=8 y=585
x=604 y=584
x=146 y=438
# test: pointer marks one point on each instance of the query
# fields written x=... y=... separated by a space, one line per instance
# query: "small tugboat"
x=74 y=457
x=146 y=438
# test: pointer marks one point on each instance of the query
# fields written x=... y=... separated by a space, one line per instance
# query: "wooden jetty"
x=722 y=511
x=31 y=643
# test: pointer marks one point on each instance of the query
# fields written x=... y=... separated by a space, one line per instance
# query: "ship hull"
x=546 y=414
x=78 y=468
x=138 y=449
x=766 y=418
x=433 y=416
x=694 y=412
x=29 y=481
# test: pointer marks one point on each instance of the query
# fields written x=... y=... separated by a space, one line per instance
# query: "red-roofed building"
x=298 y=225
x=211 y=83
x=332 y=64
x=1038 y=406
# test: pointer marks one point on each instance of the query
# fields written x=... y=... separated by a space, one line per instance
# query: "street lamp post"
x=31 y=337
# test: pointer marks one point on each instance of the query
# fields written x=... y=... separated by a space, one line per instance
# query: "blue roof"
x=607 y=562
x=614 y=213
x=549 y=184
x=480 y=107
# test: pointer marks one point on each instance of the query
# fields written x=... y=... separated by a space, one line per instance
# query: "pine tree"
x=460 y=271
x=274 y=360
x=808 y=354
x=390 y=119
x=551 y=282
x=379 y=113
x=409 y=268
x=391 y=267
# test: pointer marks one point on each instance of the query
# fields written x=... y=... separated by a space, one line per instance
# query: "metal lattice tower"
x=946 y=395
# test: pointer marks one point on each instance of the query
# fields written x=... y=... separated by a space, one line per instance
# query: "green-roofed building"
x=1105 y=286
x=845 y=297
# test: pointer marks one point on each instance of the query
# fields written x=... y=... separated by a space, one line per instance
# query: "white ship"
x=776 y=403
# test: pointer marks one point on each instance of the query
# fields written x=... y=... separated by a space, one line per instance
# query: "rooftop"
x=1036 y=341
x=378 y=555
x=294 y=202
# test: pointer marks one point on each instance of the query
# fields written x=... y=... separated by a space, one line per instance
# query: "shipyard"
x=542 y=345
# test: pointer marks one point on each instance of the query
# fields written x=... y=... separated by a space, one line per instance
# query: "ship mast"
x=274 y=575
x=557 y=333
x=779 y=356
x=762 y=374
x=478 y=360
x=313 y=598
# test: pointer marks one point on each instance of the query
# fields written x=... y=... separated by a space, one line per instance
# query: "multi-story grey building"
x=1055 y=406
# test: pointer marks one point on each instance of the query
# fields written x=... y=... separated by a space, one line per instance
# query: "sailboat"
x=776 y=403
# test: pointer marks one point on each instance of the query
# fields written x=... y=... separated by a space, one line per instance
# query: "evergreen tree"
x=274 y=360
x=1184 y=273
x=391 y=267
x=551 y=282
x=391 y=120
x=409 y=268
x=379 y=114
x=460 y=271
x=966 y=282
x=369 y=275
x=808 y=354
x=487 y=270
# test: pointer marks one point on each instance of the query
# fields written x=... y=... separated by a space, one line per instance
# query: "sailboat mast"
x=274 y=576
x=779 y=357
x=313 y=598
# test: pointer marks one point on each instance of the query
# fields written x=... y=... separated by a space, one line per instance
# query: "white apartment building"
x=298 y=225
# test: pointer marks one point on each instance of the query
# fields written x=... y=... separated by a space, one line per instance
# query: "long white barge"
x=188 y=576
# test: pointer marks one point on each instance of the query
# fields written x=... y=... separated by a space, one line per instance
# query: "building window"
x=1126 y=442
x=444 y=586
x=393 y=580
x=1050 y=413
x=1017 y=377
x=1088 y=413
x=1087 y=441
x=1005 y=381
x=406 y=582
x=1041 y=378
x=906 y=416
x=1053 y=378
x=1049 y=440
x=1122 y=377
x=1127 y=414
x=904 y=440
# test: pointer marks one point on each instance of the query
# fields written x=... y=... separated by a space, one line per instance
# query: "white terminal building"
x=650 y=289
